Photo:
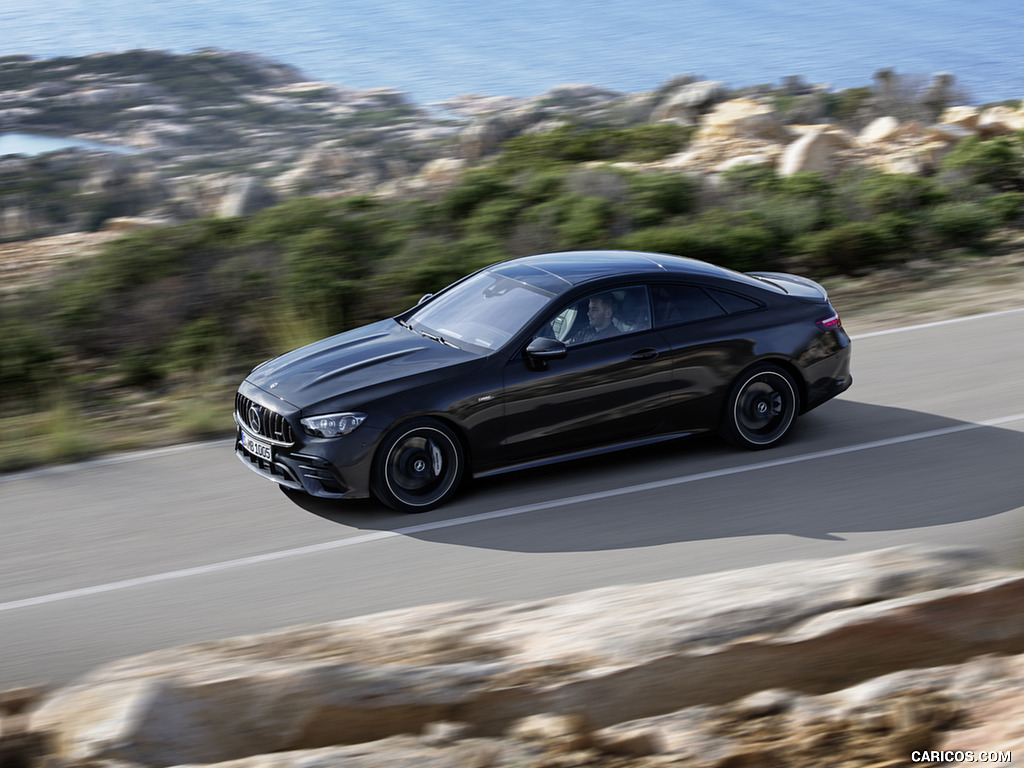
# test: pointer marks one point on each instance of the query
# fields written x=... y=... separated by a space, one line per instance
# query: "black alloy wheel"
x=419 y=466
x=762 y=406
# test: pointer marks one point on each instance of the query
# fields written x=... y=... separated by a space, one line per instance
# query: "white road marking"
x=496 y=514
x=936 y=324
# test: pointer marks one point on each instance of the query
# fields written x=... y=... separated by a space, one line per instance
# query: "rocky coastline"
x=221 y=133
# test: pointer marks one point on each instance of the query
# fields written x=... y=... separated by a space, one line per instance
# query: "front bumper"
x=334 y=468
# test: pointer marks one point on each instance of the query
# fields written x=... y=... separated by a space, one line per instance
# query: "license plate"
x=258 y=449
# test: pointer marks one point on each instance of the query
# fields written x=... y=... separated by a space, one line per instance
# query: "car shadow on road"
x=850 y=467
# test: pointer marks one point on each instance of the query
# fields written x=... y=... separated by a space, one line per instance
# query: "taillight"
x=830 y=323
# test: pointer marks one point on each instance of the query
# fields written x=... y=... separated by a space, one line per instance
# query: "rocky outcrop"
x=688 y=102
x=332 y=164
x=816 y=151
x=1000 y=121
x=733 y=129
x=485 y=134
x=632 y=670
x=742 y=119
x=746 y=131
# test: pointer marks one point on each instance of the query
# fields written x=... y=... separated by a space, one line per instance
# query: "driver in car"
x=600 y=314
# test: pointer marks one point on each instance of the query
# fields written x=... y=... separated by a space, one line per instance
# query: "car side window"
x=733 y=303
x=677 y=304
x=601 y=315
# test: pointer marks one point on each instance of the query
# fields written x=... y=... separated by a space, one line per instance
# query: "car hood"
x=353 y=361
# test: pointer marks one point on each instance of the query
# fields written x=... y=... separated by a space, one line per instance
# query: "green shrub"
x=584 y=222
x=429 y=266
x=791 y=217
x=996 y=162
x=848 y=105
x=850 y=247
x=477 y=188
x=655 y=197
x=649 y=143
x=961 y=224
x=28 y=358
x=541 y=185
x=1008 y=206
x=196 y=346
x=323 y=275
x=748 y=178
x=897 y=192
x=576 y=144
x=742 y=246
x=494 y=217
x=290 y=218
x=804 y=184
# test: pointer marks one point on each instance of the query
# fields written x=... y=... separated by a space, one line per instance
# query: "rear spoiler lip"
x=794 y=284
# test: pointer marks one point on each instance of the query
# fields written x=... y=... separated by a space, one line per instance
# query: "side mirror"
x=545 y=349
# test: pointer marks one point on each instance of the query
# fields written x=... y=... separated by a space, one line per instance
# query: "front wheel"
x=418 y=467
x=762 y=406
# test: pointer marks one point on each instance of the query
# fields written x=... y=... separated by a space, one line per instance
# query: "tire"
x=762 y=406
x=418 y=467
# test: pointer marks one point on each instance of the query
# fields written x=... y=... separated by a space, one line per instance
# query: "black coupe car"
x=540 y=359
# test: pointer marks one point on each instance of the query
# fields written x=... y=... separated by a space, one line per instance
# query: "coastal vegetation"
x=145 y=342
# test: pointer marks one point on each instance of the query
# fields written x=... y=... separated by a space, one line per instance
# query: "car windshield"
x=483 y=312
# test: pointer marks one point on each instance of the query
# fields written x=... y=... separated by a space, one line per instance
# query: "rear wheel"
x=418 y=467
x=762 y=406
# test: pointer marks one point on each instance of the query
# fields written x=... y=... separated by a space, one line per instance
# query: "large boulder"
x=815 y=151
x=608 y=655
x=743 y=119
x=966 y=117
x=482 y=137
x=688 y=102
x=880 y=129
x=1000 y=121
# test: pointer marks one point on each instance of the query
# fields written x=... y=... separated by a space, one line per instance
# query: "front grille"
x=262 y=421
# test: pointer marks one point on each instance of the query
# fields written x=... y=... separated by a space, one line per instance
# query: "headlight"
x=332 y=424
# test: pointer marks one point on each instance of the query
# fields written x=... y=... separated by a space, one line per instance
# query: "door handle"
x=644 y=354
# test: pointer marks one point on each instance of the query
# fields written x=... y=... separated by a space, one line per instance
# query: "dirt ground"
x=925 y=292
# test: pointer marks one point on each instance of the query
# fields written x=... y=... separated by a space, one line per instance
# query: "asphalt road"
x=117 y=557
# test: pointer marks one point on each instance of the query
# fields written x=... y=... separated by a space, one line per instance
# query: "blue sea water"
x=35 y=144
x=435 y=49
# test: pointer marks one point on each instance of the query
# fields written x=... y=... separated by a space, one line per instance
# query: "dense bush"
x=961 y=224
x=850 y=247
x=1008 y=207
x=656 y=197
x=998 y=162
x=576 y=144
x=27 y=357
x=743 y=246
x=898 y=193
